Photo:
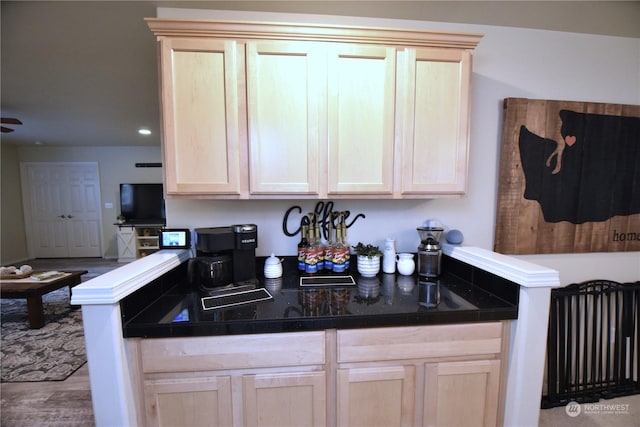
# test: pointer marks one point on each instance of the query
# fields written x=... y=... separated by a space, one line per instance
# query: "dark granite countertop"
x=386 y=300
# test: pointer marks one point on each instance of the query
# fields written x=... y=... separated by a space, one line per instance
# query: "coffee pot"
x=213 y=271
x=429 y=251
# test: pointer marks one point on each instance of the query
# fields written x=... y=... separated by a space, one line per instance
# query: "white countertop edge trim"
x=111 y=287
x=523 y=273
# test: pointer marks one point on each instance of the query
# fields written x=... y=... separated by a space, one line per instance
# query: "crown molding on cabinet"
x=311 y=32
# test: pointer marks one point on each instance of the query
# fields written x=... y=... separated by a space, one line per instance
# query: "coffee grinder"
x=429 y=251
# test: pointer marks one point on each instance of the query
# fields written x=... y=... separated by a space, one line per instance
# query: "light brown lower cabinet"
x=291 y=399
x=454 y=394
x=462 y=393
x=376 y=396
x=189 y=401
x=441 y=375
x=276 y=399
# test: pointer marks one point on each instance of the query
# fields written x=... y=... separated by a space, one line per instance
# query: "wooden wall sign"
x=569 y=178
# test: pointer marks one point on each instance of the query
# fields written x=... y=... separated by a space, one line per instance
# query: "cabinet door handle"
x=69 y=216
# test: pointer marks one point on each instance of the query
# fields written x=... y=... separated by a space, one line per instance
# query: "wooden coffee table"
x=33 y=291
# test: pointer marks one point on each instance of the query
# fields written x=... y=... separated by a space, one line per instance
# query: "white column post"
x=527 y=355
x=112 y=384
x=114 y=402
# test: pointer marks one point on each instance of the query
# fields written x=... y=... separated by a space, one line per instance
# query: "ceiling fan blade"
x=10 y=121
x=5 y=130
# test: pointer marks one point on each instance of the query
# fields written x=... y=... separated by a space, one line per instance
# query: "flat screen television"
x=142 y=203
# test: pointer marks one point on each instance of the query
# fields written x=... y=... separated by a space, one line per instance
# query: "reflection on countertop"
x=384 y=300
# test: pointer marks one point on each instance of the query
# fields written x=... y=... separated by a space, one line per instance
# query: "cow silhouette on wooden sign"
x=569 y=177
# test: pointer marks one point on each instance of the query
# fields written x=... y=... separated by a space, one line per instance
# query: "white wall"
x=116 y=165
x=508 y=62
x=13 y=243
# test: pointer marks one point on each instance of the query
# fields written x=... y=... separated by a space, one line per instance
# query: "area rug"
x=51 y=353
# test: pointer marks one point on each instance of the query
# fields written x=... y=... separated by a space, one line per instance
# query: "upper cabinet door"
x=200 y=115
x=285 y=91
x=361 y=119
x=436 y=121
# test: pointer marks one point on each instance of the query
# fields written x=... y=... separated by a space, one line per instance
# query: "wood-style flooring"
x=49 y=403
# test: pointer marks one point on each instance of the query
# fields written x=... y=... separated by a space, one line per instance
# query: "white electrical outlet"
x=108 y=205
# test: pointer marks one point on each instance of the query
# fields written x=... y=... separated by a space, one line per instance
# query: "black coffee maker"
x=225 y=256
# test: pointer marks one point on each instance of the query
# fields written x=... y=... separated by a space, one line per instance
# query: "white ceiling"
x=84 y=73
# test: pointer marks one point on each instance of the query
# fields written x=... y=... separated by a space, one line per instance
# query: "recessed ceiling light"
x=144 y=131
x=39 y=143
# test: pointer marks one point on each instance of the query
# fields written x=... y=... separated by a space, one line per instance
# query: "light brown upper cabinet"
x=435 y=107
x=285 y=93
x=361 y=115
x=201 y=113
x=263 y=110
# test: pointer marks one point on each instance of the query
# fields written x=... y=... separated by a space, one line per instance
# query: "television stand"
x=137 y=240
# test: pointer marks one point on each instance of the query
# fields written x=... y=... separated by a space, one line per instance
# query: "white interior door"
x=62 y=209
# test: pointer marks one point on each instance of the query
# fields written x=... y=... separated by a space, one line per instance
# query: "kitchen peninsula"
x=490 y=305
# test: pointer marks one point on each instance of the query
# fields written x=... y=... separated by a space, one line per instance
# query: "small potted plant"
x=120 y=219
x=368 y=259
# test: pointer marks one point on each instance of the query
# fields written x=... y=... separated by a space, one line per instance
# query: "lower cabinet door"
x=189 y=402
x=376 y=396
x=462 y=393
x=285 y=399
